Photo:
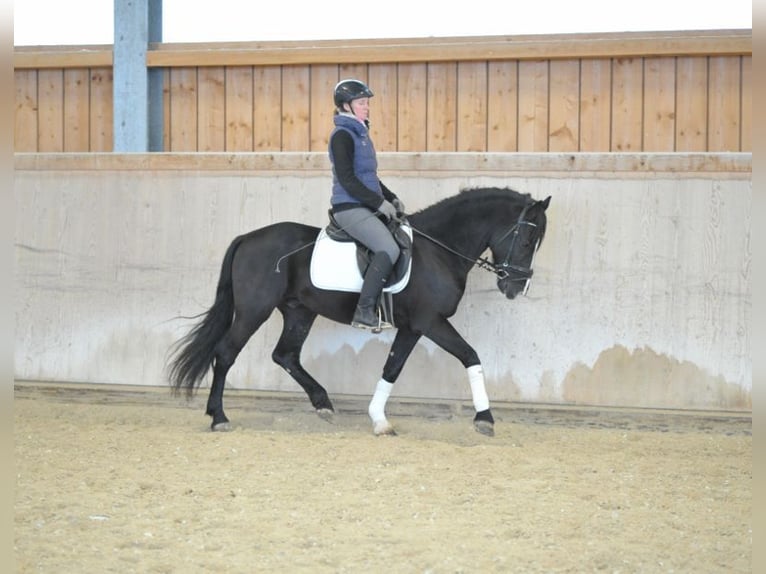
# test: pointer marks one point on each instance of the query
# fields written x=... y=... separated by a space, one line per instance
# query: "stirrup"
x=382 y=323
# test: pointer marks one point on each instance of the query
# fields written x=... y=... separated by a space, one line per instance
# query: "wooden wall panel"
x=383 y=80
x=564 y=106
x=659 y=119
x=655 y=93
x=183 y=114
x=323 y=81
x=239 y=108
x=25 y=125
x=595 y=105
x=627 y=104
x=295 y=108
x=211 y=111
x=503 y=106
x=76 y=110
x=267 y=108
x=166 y=143
x=533 y=106
x=50 y=106
x=691 y=103
x=471 y=106
x=354 y=71
x=724 y=104
x=441 y=90
x=746 y=93
x=101 y=110
x=411 y=111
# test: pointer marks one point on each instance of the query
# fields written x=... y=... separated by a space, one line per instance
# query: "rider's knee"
x=393 y=254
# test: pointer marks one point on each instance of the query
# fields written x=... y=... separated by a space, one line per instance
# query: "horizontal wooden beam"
x=559 y=165
x=456 y=49
x=532 y=47
x=42 y=57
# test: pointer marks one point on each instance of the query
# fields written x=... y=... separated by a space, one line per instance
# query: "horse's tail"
x=193 y=354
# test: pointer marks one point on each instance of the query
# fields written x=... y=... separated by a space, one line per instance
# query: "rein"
x=481 y=262
x=502 y=269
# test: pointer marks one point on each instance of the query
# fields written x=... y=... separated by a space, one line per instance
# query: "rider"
x=360 y=202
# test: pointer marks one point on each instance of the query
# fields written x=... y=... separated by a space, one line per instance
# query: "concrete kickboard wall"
x=641 y=295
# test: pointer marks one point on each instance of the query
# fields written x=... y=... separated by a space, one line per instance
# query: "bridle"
x=503 y=269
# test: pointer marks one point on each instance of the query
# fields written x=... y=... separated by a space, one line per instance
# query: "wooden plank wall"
x=692 y=95
x=63 y=110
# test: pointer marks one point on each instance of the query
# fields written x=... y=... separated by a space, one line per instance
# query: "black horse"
x=449 y=240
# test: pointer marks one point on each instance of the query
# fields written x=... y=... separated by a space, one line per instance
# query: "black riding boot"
x=366 y=315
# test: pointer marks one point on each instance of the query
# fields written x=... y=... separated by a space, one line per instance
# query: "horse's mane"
x=449 y=205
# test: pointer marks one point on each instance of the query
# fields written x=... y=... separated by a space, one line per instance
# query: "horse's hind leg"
x=287 y=354
x=226 y=353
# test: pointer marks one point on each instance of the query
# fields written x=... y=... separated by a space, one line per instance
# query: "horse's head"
x=513 y=252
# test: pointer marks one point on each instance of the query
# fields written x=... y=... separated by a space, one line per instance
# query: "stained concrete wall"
x=641 y=295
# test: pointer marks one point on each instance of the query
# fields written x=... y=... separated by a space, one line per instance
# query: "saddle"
x=338 y=262
x=364 y=255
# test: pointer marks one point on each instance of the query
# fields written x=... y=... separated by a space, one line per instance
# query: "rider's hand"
x=387 y=210
x=399 y=205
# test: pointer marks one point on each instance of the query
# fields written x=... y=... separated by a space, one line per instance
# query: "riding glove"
x=387 y=210
x=399 y=205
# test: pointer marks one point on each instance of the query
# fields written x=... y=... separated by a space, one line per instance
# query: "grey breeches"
x=363 y=225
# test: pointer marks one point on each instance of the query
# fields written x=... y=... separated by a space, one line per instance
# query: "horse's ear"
x=540 y=206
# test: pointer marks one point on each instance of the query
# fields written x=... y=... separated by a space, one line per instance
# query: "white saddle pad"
x=334 y=267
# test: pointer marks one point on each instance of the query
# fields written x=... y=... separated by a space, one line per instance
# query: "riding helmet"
x=348 y=90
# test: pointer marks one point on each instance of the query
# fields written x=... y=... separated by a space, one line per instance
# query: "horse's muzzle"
x=511 y=286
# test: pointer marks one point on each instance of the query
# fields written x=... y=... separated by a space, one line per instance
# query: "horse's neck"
x=477 y=228
x=472 y=221
x=473 y=241
x=468 y=239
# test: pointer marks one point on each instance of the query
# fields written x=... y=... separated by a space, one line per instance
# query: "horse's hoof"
x=326 y=414
x=383 y=429
x=484 y=427
x=221 y=427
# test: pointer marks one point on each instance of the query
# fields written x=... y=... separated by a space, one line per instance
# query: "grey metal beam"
x=137 y=93
x=156 y=75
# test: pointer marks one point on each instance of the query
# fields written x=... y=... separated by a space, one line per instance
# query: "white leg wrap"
x=377 y=408
x=478 y=390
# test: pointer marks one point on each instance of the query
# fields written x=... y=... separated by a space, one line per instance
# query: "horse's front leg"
x=483 y=420
x=401 y=348
x=444 y=334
